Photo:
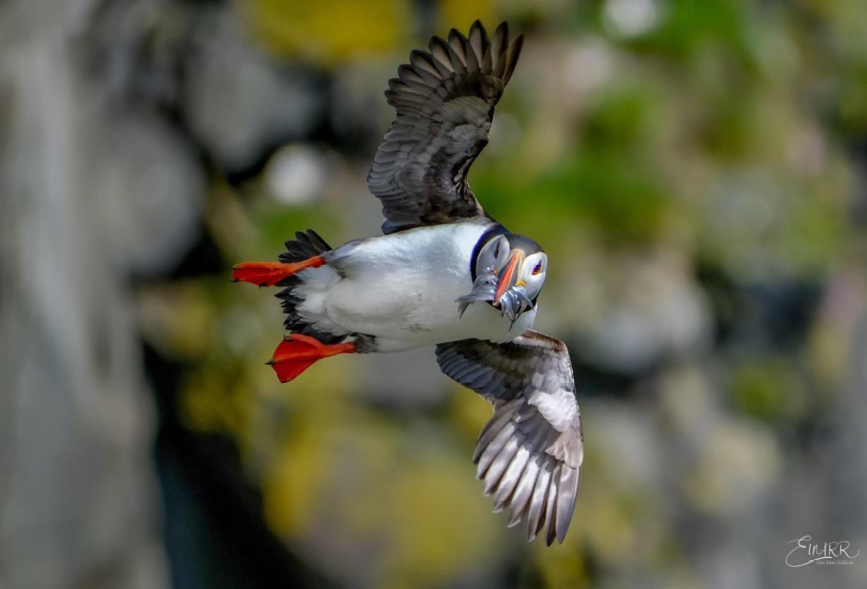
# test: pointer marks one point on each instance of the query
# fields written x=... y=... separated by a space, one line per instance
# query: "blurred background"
x=697 y=172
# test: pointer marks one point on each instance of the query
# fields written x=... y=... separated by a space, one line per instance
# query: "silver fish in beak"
x=514 y=302
x=483 y=290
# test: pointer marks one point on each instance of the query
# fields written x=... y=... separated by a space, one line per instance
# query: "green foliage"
x=768 y=389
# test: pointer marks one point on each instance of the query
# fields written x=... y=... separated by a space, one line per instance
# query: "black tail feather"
x=304 y=246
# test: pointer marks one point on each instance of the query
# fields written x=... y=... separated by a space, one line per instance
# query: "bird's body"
x=382 y=287
x=445 y=274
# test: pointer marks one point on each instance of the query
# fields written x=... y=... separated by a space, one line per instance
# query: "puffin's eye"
x=497 y=251
x=537 y=268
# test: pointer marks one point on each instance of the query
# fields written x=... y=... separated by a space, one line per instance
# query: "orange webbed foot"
x=270 y=273
x=297 y=352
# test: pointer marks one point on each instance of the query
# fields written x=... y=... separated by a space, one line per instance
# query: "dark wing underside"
x=445 y=101
x=529 y=454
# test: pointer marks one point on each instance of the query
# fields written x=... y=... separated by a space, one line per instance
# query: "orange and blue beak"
x=508 y=276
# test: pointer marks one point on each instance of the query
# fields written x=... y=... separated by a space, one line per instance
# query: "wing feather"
x=511 y=478
x=529 y=454
x=538 y=505
x=551 y=510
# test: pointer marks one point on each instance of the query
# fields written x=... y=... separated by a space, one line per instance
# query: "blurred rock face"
x=88 y=197
x=238 y=101
x=639 y=313
x=150 y=190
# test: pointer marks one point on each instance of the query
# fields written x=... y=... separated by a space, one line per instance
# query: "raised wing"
x=529 y=454
x=445 y=101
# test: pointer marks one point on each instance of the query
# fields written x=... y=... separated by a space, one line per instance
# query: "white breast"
x=402 y=288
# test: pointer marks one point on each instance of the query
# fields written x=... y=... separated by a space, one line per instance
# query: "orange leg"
x=296 y=353
x=270 y=273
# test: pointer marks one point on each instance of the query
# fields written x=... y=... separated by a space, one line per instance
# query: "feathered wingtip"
x=452 y=62
x=532 y=485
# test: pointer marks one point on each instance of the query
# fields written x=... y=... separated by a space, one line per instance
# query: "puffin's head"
x=509 y=271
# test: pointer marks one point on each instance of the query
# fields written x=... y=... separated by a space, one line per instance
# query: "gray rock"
x=239 y=102
x=638 y=311
x=78 y=496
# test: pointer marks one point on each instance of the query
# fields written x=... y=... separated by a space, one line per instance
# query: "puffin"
x=446 y=274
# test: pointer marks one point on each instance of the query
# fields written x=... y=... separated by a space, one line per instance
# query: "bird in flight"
x=445 y=274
